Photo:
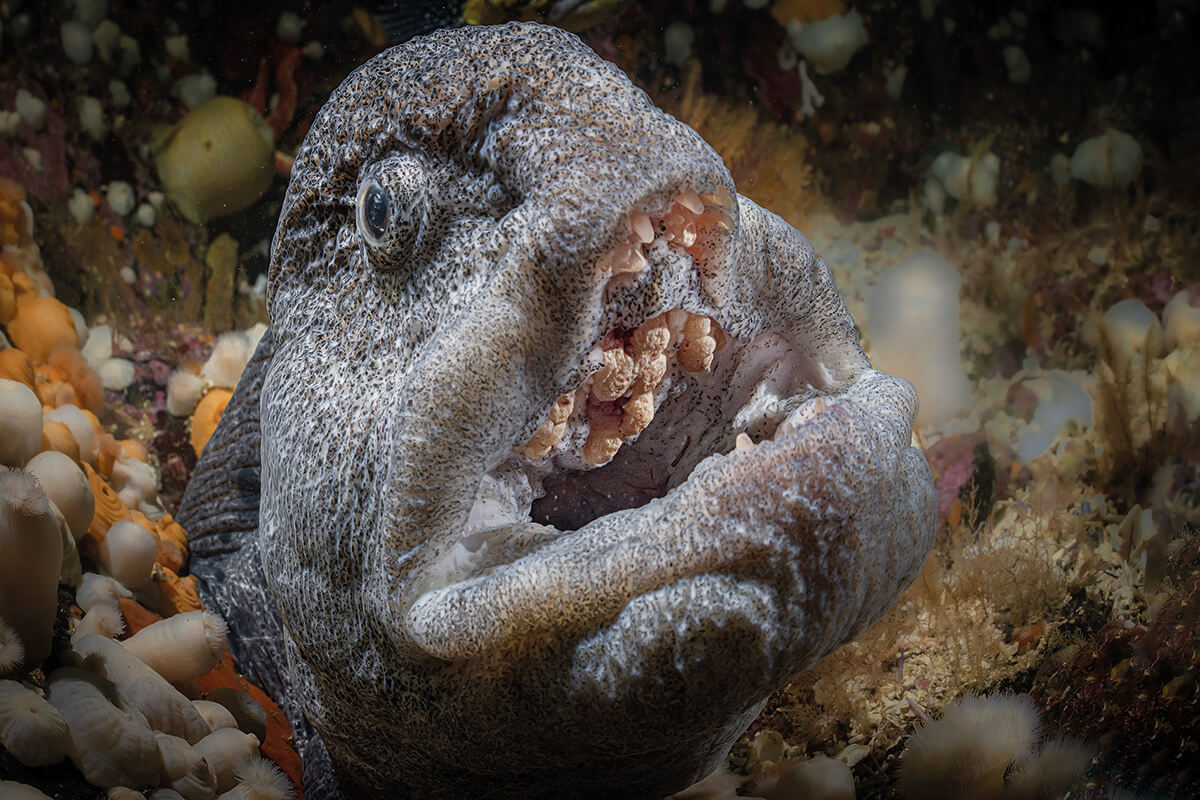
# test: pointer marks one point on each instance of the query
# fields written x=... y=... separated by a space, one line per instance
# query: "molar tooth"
x=695 y=355
x=652 y=336
x=600 y=447
x=676 y=319
x=637 y=413
x=639 y=223
x=687 y=237
x=540 y=443
x=552 y=429
x=604 y=433
x=648 y=346
x=743 y=442
x=560 y=412
x=699 y=343
x=616 y=376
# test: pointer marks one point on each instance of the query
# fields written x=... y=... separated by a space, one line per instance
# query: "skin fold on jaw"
x=559 y=455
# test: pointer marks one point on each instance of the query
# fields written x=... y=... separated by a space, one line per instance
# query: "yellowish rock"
x=218 y=160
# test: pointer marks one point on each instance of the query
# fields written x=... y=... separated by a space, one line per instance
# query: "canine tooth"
x=691 y=201
x=636 y=262
x=721 y=198
x=616 y=376
x=643 y=229
x=674 y=223
x=637 y=414
x=743 y=442
x=718 y=218
x=648 y=345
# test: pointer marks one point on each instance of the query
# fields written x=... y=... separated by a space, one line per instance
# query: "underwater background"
x=1008 y=194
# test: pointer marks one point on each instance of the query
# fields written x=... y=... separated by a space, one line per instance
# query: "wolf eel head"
x=555 y=417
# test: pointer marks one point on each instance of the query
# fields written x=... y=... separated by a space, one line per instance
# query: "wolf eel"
x=559 y=455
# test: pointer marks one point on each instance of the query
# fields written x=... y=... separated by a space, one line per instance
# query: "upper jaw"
x=691 y=294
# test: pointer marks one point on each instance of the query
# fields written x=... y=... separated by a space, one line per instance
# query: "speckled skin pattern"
x=621 y=659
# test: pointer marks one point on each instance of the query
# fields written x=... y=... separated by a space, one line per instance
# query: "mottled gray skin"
x=618 y=660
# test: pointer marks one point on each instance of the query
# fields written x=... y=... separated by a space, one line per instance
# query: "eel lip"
x=798 y=496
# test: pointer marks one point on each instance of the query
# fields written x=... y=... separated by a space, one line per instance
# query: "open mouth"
x=661 y=392
x=721 y=422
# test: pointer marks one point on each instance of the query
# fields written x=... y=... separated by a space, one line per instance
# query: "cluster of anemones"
x=79 y=510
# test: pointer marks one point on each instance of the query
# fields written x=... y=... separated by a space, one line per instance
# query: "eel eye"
x=392 y=212
x=374 y=212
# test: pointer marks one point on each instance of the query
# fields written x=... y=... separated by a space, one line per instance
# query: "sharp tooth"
x=720 y=198
x=691 y=201
x=743 y=442
x=801 y=415
x=643 y=229
x=652 y=336
x=719 y=218
x=540 y=443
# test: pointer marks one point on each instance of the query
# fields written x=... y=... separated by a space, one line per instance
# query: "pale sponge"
x=912 y=319
x=1112 y=159
x=987 y=747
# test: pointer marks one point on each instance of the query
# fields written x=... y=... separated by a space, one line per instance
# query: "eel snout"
x=727 y=424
